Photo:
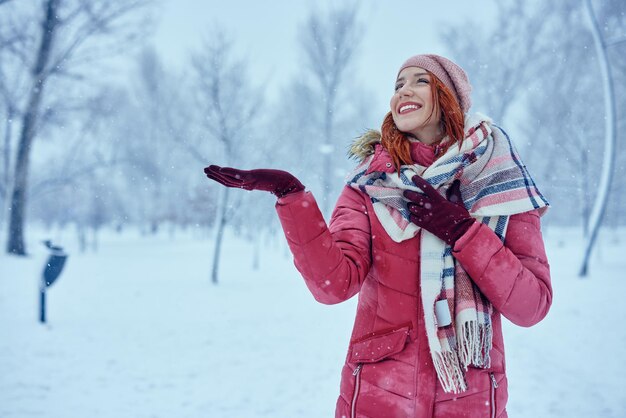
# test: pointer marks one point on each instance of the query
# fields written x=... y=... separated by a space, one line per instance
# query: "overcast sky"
x=266 y=32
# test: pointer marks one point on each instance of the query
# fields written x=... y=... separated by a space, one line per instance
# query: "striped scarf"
x=494 y=185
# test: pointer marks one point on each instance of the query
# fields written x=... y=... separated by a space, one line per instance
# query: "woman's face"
x=412 y=105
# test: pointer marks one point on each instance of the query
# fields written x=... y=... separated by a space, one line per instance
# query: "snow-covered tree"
x=227 y=109
x=329 y=43
x=601 y=46
x=498 y=58
x=60 y=51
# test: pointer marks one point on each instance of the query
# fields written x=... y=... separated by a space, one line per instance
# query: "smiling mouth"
x=409 y=107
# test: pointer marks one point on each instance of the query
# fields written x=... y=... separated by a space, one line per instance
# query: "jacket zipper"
x=357 y=384
x=494 y=386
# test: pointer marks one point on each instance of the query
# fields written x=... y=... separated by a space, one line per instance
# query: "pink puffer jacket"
x=388 y=371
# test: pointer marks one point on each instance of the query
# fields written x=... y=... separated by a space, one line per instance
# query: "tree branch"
x=97 y=22
x=71 y=177
x=615 y=41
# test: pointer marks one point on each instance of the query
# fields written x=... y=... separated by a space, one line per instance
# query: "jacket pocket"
x=373 y=348
x=378 y=346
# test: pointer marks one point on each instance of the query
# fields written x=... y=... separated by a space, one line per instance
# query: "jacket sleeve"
x=514 y=276
x=333 y=260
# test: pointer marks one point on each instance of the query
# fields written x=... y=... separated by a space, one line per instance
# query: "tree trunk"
x=6 y=156
x=599 y=207
x=220 y=225
x=82 y=237
x=256 y=251
x=328 y=151
x=94 y=239
x=585 y=191
x=6 y=176
x=17 y=208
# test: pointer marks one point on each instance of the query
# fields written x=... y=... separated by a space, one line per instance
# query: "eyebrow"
x=414 y=75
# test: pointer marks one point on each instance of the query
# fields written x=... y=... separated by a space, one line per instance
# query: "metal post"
x=42 y=304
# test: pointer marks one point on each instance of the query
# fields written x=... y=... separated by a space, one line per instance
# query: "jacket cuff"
x=290 y=197
x=300 y=217
x=467 y=236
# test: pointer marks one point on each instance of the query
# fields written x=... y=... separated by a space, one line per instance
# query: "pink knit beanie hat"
x=450 y=74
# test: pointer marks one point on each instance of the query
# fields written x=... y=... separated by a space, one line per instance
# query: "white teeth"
x=407 y=107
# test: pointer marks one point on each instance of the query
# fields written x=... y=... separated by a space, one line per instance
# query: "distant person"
x=438 y=231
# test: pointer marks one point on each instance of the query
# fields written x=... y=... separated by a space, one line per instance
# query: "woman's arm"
x=334 y=260
x=514 y=276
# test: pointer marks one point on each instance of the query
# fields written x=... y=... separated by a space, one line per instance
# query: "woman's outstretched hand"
x=277 y=182
x=445 y=218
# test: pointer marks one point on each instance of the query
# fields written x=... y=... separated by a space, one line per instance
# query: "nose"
x=405 y=91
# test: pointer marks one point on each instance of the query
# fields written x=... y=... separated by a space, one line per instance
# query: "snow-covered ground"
x=137 y=330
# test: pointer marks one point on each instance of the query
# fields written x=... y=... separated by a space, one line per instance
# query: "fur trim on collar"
x=364 y=146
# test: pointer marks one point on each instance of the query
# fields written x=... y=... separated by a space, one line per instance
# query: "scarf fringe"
x=449 y=371
x=473 y=348
x=474 y=344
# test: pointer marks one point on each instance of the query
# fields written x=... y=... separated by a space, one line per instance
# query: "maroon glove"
x=447 y=219
x=277 y=182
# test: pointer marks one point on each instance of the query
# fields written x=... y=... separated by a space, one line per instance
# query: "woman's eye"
x=422 y=80
x=398 y=87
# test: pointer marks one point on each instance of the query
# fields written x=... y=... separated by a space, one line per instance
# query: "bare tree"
x=14 y=41
x=18 y=198
x=497 y=58
x=558 y=123
x=610 y=118
x=156 y=102
x=228 y=105
x=63 y=51
x=329 y=42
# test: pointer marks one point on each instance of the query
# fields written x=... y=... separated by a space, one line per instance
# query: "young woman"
x=438 y=232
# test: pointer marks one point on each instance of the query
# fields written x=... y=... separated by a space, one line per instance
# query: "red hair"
x=452 y=125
